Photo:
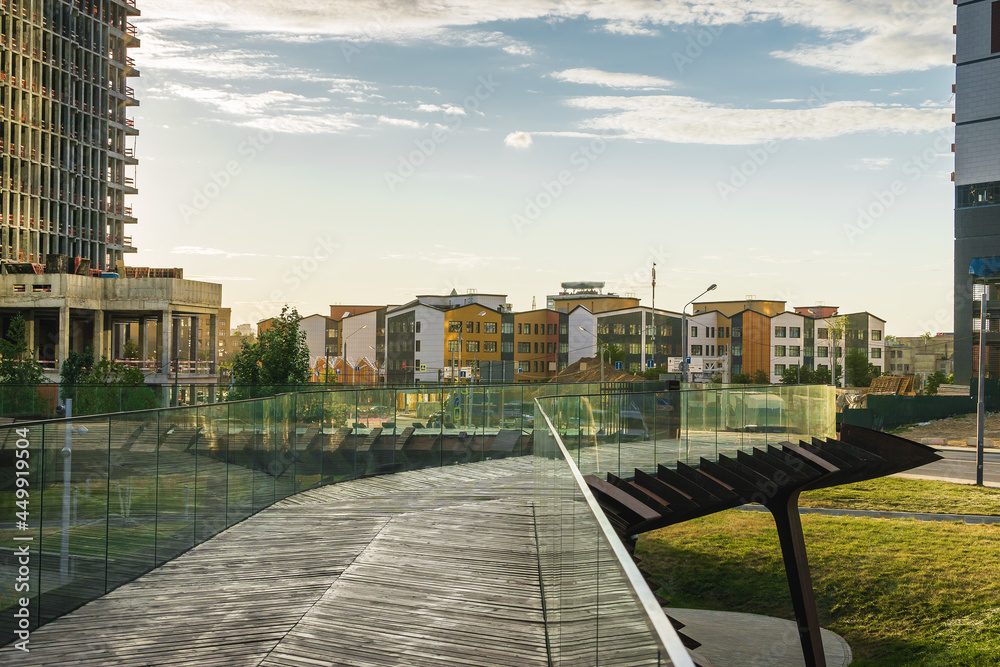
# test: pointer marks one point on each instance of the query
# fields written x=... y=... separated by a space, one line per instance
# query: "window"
x=876 y=353
x=490 y=328
x=694 y=332
x=722 y=350
x=840 y=352
x=550 y=329
x=525 y=366
x=876 y=335
x=536 y=330
x=416 y=365
x=822 y=351
x=737 y=352
x=472 y=346
x=518 y=328
x=795 y=332
x=536 y=348
x=906 y=367
x=737 y=332
x=454 y=327
x=564 y=348
x=507 y=347
x=794 y=351
x=562 y=330
x=779 y=351
x=633 y=348
x=779 y=369
x=550 y=348
x=823 y=333
x=453 y=346
x=696 y=350
x=536 y=363
x=489 y=346
x=477 y=326
x=507 y=328
x=995 y=29
x=470 y=327
x=524 y=348
x=779 y=332
x=416 y=346
x=711 y=333
x=418 y=327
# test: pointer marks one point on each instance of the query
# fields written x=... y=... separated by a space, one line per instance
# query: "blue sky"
x=351 y=151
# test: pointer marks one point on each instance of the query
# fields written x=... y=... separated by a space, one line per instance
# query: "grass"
x=901 y=592
x=896 y=494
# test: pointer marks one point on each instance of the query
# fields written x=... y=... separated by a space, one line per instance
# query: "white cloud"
x=871 y=163
x=679 y=119
x=868 y=37
x=518 y=140
x=199 y=250
x=596 y=77
x=447 y=109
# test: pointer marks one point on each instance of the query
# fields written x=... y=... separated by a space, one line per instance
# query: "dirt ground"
x=954 y=430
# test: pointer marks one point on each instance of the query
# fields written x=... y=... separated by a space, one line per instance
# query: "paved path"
x=959 y=464
x=437 y=567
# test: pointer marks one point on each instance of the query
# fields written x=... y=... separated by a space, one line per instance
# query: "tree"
x=17 y=362
x=279 y=358
x=742 y=378
x=103 y=386
x=799 y=375
x=130 y=350
x=860 y=372
x=933 y=382
x=760 y=376
x=821 y=375
x=839 y=327
x=19 y=371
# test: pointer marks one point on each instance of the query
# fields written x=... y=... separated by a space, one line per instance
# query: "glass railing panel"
x=212 y=475
x=309 y=436
x=176 y=483
x=74 y=547
x=342 y=434
x=598 y=609
x=264 y=428
x=131 y=506
x=240 y=458
x=284 y=429
x=418 y=434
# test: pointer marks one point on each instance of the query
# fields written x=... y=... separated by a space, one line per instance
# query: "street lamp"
x=601 y=345
x=345 y=349
x=684 y=332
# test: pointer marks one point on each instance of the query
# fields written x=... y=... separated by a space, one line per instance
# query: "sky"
x=366 y=151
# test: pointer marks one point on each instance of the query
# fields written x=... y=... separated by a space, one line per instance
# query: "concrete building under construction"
x=68 y=144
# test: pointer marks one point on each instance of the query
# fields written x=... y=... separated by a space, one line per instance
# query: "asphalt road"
x=962 y=465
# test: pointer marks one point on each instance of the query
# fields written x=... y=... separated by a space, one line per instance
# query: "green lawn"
x=901 y=592
x=907 y=495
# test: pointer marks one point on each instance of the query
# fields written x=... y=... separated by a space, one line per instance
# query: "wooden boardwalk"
x=434 y=567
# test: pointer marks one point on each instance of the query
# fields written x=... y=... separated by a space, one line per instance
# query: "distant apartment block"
x=727 y=338
x=921 y=357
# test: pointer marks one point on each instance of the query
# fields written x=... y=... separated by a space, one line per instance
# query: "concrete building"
x=67 y=143
x=977 y=171
x=648 y=338
x=921 y=357
x=359 y=333
x=67 y=312
x=589 y=295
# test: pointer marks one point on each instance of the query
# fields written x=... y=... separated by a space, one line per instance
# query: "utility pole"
x=981 y=405
x=652 y=357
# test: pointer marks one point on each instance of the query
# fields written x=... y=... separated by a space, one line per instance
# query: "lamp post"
x=684 y=332
x=345 y=349
x=601 y=345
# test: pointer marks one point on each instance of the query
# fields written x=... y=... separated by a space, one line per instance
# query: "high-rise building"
x=977 y=166
x=68 y=155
